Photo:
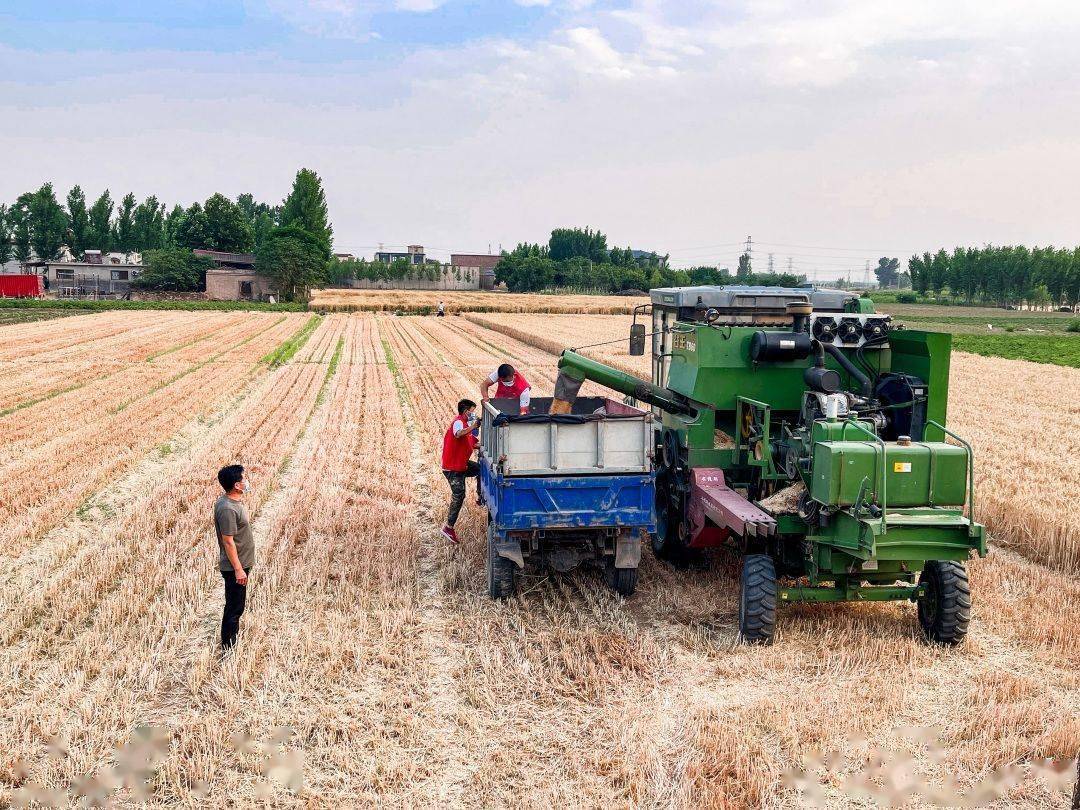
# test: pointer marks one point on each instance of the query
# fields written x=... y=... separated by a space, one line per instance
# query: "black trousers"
x=235 y=597
x=456 y=480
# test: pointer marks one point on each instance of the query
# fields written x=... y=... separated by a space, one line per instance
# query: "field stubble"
x=402 y=683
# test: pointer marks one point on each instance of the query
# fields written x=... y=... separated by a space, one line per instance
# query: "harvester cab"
x=799 y=427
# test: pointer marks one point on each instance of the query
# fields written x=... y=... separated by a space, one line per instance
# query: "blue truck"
x=564 y=490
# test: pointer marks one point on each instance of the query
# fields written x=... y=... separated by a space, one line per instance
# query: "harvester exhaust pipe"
x=850 y=368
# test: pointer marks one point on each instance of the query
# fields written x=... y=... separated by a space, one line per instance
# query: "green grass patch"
x=14 y=316
x=970 y=323
x=1060 y=350
x=80 y=305
x=289 y=347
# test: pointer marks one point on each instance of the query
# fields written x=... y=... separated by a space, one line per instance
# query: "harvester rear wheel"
x=500 y=571
x=945 y=602
x=621 y=580
x=757 y=599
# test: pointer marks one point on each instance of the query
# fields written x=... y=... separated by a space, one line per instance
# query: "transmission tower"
x=770 y=262
x=866 y=277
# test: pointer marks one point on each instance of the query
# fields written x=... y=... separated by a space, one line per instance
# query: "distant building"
x=344 y=257
x=483 y=264
x=414 y=254
x=97 y=276
x=233 y=278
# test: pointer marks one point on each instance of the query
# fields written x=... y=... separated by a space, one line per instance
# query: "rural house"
x=98 y=275
x=481 y=265
x=233 y=278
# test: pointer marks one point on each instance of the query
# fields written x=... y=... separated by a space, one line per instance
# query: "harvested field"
x=425 y=301
x=375 y=643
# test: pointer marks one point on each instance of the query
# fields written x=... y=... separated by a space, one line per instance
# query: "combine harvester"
x=798 y=427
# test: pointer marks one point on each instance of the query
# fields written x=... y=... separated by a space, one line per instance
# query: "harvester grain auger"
x=797 y=426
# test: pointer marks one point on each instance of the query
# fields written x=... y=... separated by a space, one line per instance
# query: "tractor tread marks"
x=757 y=599
x=948 y=624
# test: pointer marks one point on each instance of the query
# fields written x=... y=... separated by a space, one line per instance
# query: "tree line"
x=580 y=259
x=292 y=240
x=1003 y=275
x=341 y=272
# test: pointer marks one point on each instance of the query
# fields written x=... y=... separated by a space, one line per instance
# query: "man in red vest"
x=509 y=384
x=457 y=464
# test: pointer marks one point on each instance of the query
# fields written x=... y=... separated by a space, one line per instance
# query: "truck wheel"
x=945 y=602
x=757 y=599
x=500 y=571
x=622 y=580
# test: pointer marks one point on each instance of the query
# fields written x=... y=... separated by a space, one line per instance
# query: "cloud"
x=664 y=124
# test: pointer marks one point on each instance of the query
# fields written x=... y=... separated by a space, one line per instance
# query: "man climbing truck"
x=509 y=384
x=798 y=427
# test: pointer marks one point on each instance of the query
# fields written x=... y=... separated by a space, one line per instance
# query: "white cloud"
x=842 y=124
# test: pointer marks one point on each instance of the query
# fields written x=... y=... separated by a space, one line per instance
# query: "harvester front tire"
x=757 y=599
x=621 y=580
x=500 y=571
x=945 y=602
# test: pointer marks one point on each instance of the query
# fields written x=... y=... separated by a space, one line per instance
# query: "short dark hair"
x=464 y=405
x=229 y=476
x=505 y=370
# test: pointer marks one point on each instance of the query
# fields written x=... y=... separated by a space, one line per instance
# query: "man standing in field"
x=236 y=546
x=509 y=384
x=457 y=464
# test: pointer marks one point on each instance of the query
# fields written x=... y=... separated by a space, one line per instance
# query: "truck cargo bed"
x=599 y=436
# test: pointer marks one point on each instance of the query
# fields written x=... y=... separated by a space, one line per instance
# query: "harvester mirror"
x=637 y=339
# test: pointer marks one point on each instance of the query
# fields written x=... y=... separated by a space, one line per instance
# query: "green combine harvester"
x=802 y=429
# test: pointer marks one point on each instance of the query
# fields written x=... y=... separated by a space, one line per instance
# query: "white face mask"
x=247 y=484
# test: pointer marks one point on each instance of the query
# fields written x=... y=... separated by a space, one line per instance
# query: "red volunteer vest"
x=512 y=391
x=456 y=452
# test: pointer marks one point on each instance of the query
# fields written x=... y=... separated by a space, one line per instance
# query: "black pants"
x=235 y=596
x=456 y=480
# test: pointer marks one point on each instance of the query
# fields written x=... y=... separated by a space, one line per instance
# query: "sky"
x=831 y=133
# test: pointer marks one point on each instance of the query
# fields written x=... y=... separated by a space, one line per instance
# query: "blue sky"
x=458 y=123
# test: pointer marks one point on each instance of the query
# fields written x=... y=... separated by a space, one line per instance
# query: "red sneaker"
x=449 y=533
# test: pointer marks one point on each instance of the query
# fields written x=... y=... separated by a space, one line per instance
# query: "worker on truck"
x=509 y=384
x=457 y=464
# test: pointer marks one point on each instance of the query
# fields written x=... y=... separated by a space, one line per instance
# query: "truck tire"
x=757 y=599
x=621 y=580
x=500 y=571
x=945 y=602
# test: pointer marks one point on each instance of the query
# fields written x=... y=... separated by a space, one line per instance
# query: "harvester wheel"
x=670 y=541
x=500 y=571
x=945 y=602
x=757 y=599
x=622 y=580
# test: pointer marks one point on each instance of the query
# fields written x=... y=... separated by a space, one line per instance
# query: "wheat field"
x=413 y=301
x=375 y=644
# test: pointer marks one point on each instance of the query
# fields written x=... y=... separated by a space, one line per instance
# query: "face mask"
x=248 y=484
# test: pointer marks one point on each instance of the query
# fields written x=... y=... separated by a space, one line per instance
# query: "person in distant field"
x=509 y=384
x=457 y=464
x=440 y=310
x=236 y=546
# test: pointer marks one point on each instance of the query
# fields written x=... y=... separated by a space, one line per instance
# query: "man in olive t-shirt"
x=236 y=547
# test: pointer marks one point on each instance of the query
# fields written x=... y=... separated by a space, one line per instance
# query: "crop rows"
x=376 y=644
x=425 y=301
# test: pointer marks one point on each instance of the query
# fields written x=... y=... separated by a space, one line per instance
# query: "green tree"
x=19 y=216
x=124 y=228
x=101 y=223
x=79 y=222
x=173 y=269
x=887 y=271
x=171 y=226
x=742 y=274
x=570 y=243
x=305 y=208
x=192 y=228
x=48 y=223
x=294 y=259
x=227 y=228
x=149 y=225
x=5 y=236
